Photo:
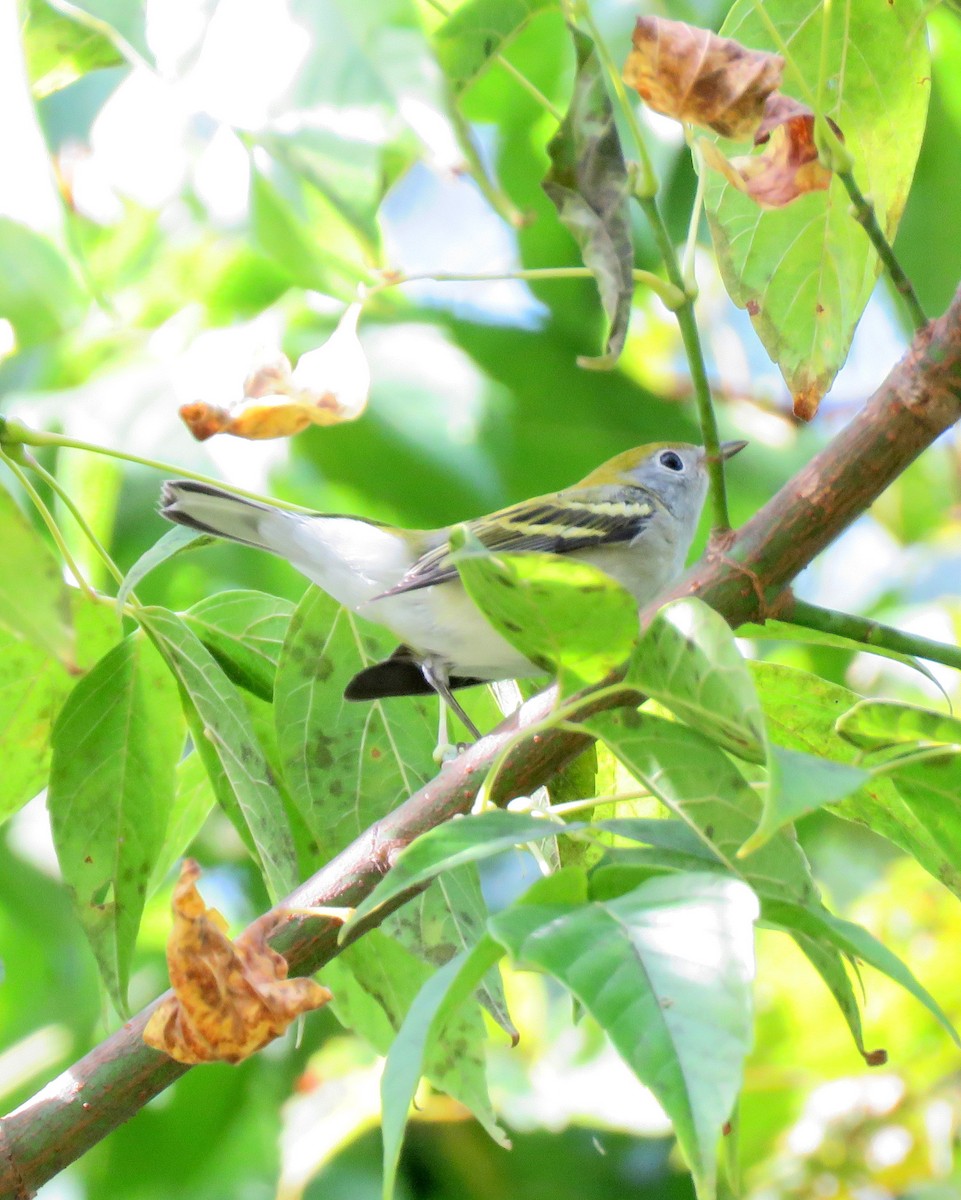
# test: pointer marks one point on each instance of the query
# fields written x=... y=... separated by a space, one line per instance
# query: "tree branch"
x=742 y=577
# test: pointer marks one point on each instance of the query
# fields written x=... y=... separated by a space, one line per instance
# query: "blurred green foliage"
x=186 y=186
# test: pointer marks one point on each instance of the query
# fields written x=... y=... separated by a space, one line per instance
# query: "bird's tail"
x=351 y=558
x=211 y=510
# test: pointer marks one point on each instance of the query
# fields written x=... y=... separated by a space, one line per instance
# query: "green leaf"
x=34 y=600
x=880 y=724
x=59 y=50
x=193 y=800
x=833 y=970
x=115 y=748
x=175 y=541
x=805 y=271
x=33 y=688
x=477 y=31
x=564 y=615
x=801 y=711
x=39 y=293
x=700 y=784
x=857 y=942
x=667 y=972
x=438 y=999
x=468 y=839
x=800 y=783
x=782 y=631
x=225 y=739
x=346 y=764
x=244 y=631
x=588 y=185
x=689 y=662
x=124 y=22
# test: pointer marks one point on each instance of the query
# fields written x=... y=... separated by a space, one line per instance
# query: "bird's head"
x=675 y=472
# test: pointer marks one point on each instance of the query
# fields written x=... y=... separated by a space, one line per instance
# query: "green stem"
x=647 y=183
x=870 y=633
x=866 y=217
x=13 y=433
x=48 y=520
x=690 y=336
x=669 y=294
x=645 y=191
x=67 y=500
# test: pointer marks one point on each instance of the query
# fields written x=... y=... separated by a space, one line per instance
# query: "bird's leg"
x=436 y=676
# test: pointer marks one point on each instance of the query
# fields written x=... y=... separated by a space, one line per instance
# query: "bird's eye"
x=671 y=460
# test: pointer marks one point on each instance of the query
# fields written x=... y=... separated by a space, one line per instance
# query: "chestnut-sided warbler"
x=634 y=518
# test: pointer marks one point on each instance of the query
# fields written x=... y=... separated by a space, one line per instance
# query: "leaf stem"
x=647 y=183
x=13 y=433
x=866 y=217
x=67 y=500
x=645 y=192
x=51 y=524
x=668 y=292
x=870 y=633
x=691 y=338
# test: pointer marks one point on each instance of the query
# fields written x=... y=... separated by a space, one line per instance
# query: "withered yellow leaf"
x=328 y=386
x=693 y=75
x=230 y=998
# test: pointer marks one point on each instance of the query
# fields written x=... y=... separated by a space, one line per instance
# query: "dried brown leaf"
x=230 y=998
x=788 y=166
x=693 y=75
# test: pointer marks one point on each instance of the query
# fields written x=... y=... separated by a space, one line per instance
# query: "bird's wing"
x=589 y=519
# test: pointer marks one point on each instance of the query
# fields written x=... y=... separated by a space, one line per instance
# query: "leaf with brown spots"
x=787 y=168
x=328 y=386
x=230 y=998
x=693 y=75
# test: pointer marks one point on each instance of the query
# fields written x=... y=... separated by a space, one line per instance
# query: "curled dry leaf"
x=329 y=385
x=230 y=998
x=788 y=166
x=693 y=75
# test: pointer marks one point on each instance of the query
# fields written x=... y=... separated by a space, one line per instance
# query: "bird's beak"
x=729 y=449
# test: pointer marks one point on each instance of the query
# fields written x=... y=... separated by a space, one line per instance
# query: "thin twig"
x=869 y=633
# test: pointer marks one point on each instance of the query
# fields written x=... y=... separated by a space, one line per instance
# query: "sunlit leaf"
x=34 y=600
x=175 y=541
x=59 y=50
x=440 y=996
x=688 y=661
x=33 y=688
x=879 y=724
x=801 y=711
x=857 y=942
x=800 y=783
x=564 y=615
x=805 y=272
x=224 y=737
x=667 y=972
x=245 y=632
x=479 y=29
x=39 y=292
x=115 y=748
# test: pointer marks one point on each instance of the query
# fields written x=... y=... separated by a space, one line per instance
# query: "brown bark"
x=919 y=400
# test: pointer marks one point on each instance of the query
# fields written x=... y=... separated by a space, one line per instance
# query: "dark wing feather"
x=590 y=519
